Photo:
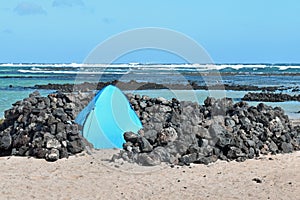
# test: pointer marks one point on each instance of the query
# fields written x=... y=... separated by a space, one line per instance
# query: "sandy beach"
x=149 y=100
x=93 y=177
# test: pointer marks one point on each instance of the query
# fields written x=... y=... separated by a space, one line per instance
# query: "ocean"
x=18 y=80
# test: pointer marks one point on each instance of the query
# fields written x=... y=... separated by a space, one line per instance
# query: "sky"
x=231 y=31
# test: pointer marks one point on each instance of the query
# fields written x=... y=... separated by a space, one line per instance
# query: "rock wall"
x=173 y=131
x=185 y=132
x=43 y=127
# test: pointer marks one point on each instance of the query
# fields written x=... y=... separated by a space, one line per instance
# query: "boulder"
x=5 y=141
x=52 y=155
x=131 y=137
x=144 y=144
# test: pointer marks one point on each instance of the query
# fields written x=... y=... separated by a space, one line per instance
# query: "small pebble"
x=257 y=180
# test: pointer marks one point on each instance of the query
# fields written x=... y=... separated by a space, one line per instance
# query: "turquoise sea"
x=18 y=80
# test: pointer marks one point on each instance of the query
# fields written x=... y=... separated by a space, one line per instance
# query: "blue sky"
x=232 y=31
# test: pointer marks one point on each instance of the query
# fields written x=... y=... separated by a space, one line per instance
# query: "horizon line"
x=156 y=63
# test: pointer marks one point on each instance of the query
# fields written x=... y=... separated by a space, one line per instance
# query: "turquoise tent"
x=107 y=117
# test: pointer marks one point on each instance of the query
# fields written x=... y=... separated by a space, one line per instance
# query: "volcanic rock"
x=185 y=132
x=43 y=127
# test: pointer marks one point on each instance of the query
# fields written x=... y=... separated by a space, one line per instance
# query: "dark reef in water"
x=133 y=85
x=270 y=97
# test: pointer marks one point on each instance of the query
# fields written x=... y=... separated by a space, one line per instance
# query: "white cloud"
x=67 y=3
x=26 y=8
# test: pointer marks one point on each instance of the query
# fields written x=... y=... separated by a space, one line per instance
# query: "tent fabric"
x=107 y=117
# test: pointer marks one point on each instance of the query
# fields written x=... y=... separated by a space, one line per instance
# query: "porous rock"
x=186 y=132
x=43 y=127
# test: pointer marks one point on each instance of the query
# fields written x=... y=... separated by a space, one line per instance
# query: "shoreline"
x=288 y=106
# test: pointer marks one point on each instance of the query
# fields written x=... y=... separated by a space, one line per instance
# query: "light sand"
x=87 y=177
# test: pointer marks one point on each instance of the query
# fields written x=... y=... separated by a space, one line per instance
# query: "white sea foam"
x=282 y=67
x=160 y=73
x=69 y=72
x=41 y=67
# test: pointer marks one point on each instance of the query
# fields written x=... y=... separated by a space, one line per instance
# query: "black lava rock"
x=185 y=132
x=270 y=97
x=43 y=127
